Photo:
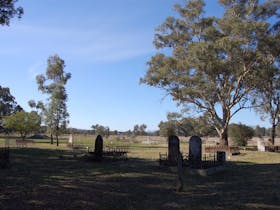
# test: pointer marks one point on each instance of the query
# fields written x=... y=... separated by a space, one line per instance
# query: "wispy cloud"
x=35 y=69
x=101 y=44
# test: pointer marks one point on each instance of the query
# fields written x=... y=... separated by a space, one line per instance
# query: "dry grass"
x=47 y=177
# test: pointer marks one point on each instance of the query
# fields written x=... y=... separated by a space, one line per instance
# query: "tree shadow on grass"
x=53 y=179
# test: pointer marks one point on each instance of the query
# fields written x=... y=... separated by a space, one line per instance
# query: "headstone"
x=221 y=157
x=70 y=140
x=173 y=149
x=260 y=144
x=195 y=152
x=98 y=149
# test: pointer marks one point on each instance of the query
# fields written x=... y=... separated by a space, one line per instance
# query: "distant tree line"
x=176 y=124
x=101 y=130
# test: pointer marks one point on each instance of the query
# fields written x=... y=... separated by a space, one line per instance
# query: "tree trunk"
x=57 y=143
x=224 y=130
x=22 y=136
x=223 y=134
x=51 y=138
x=272 y=135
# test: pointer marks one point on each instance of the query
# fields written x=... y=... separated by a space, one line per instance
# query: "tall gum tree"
x=214 y=61
x=267 y=100
x=267 y=95
x=53 y=84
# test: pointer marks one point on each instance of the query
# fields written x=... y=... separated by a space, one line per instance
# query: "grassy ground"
x=44 y=177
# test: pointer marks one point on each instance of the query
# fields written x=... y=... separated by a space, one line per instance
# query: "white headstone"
x=70 y=141
x=261 y=145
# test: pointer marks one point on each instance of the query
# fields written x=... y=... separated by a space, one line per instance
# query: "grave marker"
x=98 y=148
x=173 y=149
x=195 y=152
x=260 y=144
x=70 y=140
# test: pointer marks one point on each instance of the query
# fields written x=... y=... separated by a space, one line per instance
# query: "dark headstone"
x=98 y=149
x=221 y=157
x=195 y=152
x=173 y=149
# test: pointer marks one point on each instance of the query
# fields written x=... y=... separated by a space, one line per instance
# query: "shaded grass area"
x=54 y=179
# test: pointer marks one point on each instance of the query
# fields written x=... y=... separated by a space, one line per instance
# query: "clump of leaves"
x=240 y=133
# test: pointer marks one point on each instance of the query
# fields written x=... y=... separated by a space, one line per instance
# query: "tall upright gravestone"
x=173 y=149
x=195 y=152
x=98 y=148
x=260 y=144
x=70 y=140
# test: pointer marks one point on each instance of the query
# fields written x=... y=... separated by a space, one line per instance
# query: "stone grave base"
x=208 y=171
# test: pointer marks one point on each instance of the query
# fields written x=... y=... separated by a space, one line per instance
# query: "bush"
x=240 y=133
x=23 y=122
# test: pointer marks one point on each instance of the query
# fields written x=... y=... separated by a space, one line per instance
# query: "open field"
x=46 y=177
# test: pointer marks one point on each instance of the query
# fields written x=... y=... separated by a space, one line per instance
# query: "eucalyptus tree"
x=53 y=83
x=8 y=105
x=101 y=130
x=8 y=11
x=177 y=124
x=267 y=95
x=139 y=129
x=7 y=102
x=23 y=122
x=211 y=64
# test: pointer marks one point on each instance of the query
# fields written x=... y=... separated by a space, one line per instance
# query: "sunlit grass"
x=257 y=157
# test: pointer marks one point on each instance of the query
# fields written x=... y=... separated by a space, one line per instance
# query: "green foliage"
x=101 y=130
x=8 y=104
x=168 y=128
x=266 y=97
x=54 y=112
x=8 y=11
x=139 y=129
x=260 y=131
x=215 y=61
x=240 y=133
x=23 y=122
x=178 y=125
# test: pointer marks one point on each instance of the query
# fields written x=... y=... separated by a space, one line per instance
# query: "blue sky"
x=105 y=45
